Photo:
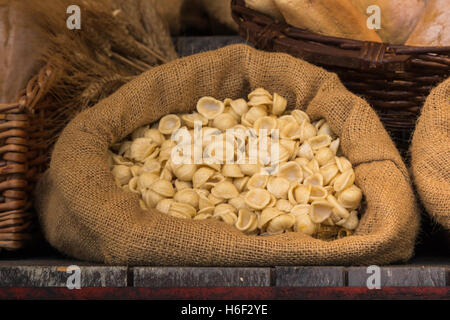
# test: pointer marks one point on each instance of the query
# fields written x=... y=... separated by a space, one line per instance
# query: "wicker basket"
x=23 y=157
x=395 y=80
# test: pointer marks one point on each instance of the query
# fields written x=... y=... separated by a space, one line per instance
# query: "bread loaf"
x=398 y=17
x=433 y=28
x=21 y=45
x=265 y=6
x=338 y=18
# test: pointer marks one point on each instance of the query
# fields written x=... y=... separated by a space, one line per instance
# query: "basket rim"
x=238 y=7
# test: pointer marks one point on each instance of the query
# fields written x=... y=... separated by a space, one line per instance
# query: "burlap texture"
x=430 y=154
x=85 y=215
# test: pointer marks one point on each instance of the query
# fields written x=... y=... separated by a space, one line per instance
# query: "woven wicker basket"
x=395 y=80
x=23 y=157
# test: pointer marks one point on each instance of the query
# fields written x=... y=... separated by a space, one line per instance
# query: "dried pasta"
x=298 y=182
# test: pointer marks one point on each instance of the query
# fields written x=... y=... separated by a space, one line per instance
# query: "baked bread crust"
x=433 y=28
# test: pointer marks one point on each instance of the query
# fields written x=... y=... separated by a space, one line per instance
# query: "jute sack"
x=85 y=215
x=430 y=154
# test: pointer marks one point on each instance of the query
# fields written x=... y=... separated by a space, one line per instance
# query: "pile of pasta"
x=307 y=187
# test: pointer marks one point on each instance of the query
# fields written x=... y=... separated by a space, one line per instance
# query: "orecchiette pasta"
x=122 y=174
x=251 y=164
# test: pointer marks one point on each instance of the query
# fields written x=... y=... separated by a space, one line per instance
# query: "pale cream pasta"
x=262 y=169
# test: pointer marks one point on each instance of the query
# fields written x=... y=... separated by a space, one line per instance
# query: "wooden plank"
x=310 y=276
x=171 y=277
x=58 y=276
x=419 y=276
x=186 y=46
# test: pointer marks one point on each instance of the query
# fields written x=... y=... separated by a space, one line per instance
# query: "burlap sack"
x=430 y=154
x=85 y=215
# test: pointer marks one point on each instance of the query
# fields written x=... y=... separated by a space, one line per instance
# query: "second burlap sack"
x=85 y=215
x=430 y=154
